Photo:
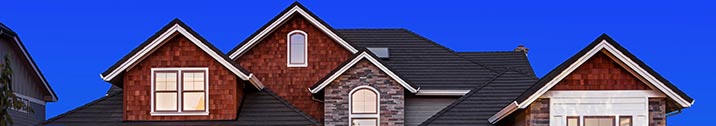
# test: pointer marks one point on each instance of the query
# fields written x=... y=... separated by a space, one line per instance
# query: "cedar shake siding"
x=601 y=72
x=267 y=60
x=225 y=88
x=364 y=73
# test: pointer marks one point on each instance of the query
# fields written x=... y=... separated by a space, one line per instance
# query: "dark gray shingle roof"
x=258 y=108
x=501 y=60
x=481 y=103
x=423 y=62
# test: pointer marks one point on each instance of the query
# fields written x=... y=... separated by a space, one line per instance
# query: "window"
x=625 y=121
x=297 y=49
x=572 y=120
x=599 y=121
x=179 y=91
x=364 y=106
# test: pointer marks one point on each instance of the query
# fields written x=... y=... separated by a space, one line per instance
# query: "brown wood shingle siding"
x=267 y=60
x=224 y=87
x=600 y=72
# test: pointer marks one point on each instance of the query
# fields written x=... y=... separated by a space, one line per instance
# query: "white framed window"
x=297 y=49
x=364 y=107
x=599 y=121
x=180 y=91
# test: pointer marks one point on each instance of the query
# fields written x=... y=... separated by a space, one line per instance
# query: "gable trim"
x=176 y=27
x=604 y=43
x=278 y=21
x=4 y=30
x=367 y=56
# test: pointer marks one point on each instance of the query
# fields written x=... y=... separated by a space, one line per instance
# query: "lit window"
x=572 y=121
x=598 y=121
x=364 y=122
x=625 y=121
x=179 y=91
x=364 y=106
x=297 y=49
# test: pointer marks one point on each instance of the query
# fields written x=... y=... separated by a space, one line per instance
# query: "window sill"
x=179 y=113
x=297 y=65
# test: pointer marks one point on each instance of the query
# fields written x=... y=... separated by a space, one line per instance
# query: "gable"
x=11 y=43
x=296 y=9
x=176 y=27
x=603 y=44
x=361 y=56
x=601 y=73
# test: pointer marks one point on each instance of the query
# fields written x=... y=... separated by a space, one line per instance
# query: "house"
x=28 y=83
x=297 y=70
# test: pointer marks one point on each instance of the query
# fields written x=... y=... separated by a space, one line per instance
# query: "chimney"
x=522 y=48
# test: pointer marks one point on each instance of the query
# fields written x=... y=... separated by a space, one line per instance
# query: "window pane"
x=364 y=122
x=598 y=121
x=625 y=121
x=572 y=121
x=166 y=101
x=297 y=44
x=193 y=101
x=165 y=81
x=193 y=81
x=364 y=101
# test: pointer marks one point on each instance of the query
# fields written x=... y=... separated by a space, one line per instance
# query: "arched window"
x=297 y=49
x=364 y=106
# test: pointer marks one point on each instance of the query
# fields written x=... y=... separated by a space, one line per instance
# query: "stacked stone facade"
x=657 y=112
x=364 y=73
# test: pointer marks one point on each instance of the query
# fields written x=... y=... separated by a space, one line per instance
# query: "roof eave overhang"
x=13 y=35
x=177 y=27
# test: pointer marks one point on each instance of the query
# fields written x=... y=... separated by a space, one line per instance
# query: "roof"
x=362 y=55
x=502 y=60
x=422 y=62
x=256 y=109
x=6 y=31
x=606 y=43
x=178 y=27
x=478 y=105
x=294 y=9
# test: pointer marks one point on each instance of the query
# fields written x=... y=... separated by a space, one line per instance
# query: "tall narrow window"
x=297 y=49
x=179 y=91
x=625 y=121
x=364 y=106
x=572 y=120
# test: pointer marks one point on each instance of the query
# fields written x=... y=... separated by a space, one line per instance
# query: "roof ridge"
x=461 y=99
x=507 y=67
x=283 y=101
x=494 y=51
x=346 y=29
x=107 y=96
x=452 y=51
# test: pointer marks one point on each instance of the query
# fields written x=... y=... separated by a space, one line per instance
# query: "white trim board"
x=364 y=55
x=602 y=45
x=295 y=9
x=137 y=57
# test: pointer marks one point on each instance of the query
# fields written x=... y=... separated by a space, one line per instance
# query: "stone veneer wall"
x=392 y=95
x=538 y=113
x=657 y=112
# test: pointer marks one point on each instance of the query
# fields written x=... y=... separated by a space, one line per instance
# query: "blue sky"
x=74 y=41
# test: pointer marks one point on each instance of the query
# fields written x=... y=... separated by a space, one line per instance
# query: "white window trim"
x=581 y=122
x=646 y=94
x=363 y=116
x=305 y=49
x=179 y=92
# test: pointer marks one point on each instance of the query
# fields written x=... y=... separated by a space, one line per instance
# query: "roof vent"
x=380 y=52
